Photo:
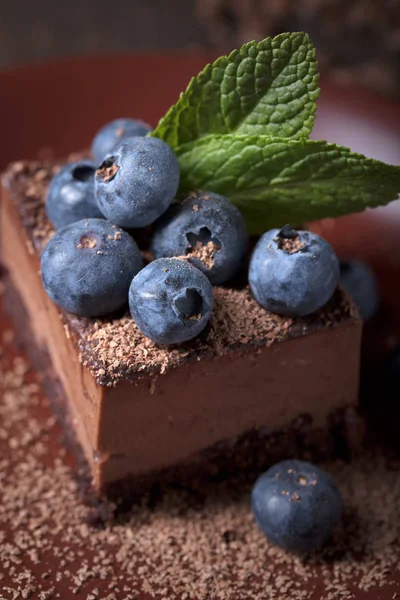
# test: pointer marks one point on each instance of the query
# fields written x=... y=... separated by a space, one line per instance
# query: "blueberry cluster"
x=91 y=266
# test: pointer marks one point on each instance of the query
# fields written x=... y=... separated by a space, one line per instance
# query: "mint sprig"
x=280 y=181
x=241 y=129
x=268 y=87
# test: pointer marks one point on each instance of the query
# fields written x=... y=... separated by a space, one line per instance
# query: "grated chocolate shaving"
x=204 y=252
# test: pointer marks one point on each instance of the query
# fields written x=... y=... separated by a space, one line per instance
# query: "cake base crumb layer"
x=197 y=542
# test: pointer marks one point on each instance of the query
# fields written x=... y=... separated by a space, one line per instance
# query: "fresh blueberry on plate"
x=208 y=230
x=170 y=301
x=296 y=505
x=70 y=196
x=87 y=267
x=137 y=181
x=293 y=273
x=114 y=132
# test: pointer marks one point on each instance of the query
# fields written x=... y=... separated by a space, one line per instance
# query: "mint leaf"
x=267 y=88
x=278 y=181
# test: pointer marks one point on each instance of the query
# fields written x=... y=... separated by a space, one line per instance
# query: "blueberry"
x=293 y=273
x=170 y=301
x=360 y=283
x=114 y=132
x=87 y=267
x=137 y=181
x=207 y=229
x=71 y=194
x=296 y=505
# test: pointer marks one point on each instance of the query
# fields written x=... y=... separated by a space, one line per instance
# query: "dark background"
x=358 y=41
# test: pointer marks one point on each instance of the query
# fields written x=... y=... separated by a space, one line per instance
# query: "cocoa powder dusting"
x=197 y=543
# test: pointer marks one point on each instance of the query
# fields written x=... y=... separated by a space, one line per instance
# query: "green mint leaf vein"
x=268 y=87
x=278 y=181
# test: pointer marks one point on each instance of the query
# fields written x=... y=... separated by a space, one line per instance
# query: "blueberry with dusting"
x=137 y=181
x=71 y=196
x=293 y=273
x=114 y=132
x=170 y=301
x=296 y=505
x=207 y=229
x=87 y=267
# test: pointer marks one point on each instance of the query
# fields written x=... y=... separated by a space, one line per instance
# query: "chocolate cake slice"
x=136 y=407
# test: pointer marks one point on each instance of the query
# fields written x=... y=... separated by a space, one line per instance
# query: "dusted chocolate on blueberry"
x=114 y=132
x=360 y=283
x=296 y=505
x=87 y=267
x=137 y=181
x=207 y=229
x=293 y=273
x=170 y=301
x=71 y=194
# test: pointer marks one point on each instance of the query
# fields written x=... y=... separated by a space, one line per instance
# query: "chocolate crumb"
x=192 y=317
x=115 y=237
x=291 y=246
x=87 y=241
x=204 y=252
x=107 y=170
x=288 y=239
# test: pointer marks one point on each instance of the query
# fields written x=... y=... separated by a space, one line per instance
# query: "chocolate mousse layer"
x=137 y=407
